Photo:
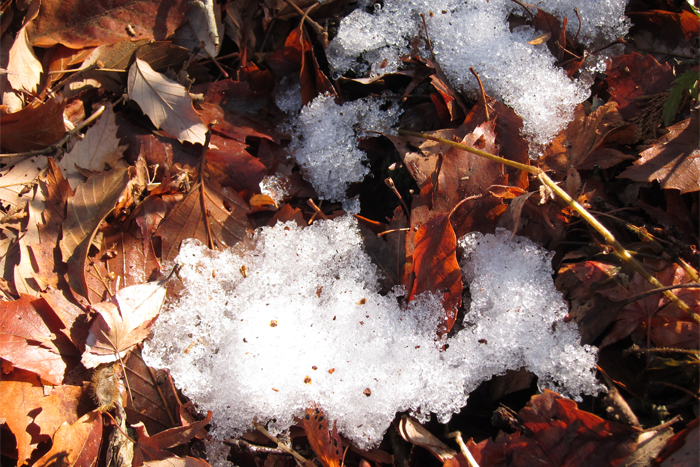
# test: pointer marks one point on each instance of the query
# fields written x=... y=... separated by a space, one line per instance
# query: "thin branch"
x=483 y=94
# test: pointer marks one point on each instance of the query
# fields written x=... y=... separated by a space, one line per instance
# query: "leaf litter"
x=134 y=195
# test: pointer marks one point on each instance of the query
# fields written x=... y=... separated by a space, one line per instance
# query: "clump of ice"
x=476 y=34
x=297 y=320
x=325 y=141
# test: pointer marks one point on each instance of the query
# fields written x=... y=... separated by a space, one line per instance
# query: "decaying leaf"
x=153 y=448
x=122 y=323
x=93 y=201
x=24 y=68
x=327 y=445
x=166 y=102
x=673 y=160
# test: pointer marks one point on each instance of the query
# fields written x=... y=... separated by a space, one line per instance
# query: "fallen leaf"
x=673 y=160
x=327 y=445
x=413 y=432
x=46 y=254
x=22 y=393
x=649 y=444
x=215 y=216
x=152 y=448
x=88 y=23
x=674 y=28
x=633 y=75
x=436 y=268
x=73 y=318
x=59 y=407
x=24 y=69
x=584 y=143
x=24 y=282
x=27 y=341
x=93 y=201
x=122 y=323
x=556 y=426
x=232 y=165
x=98 y=151
x=38 y=125
x=166 y=102
x=77 y=444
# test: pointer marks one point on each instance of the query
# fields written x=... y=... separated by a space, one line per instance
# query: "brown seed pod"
x=105 y=386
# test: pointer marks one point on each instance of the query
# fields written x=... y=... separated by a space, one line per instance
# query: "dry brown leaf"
x=93 y=201
x=24 y=68
x=154 y=447
x=88 y=23
x=16 y=180
x=673 y=160
x=27 y=341
x=24 y=269
x=122 y=323
x=36 y=126
x=177 y=462
x=166 y=102
x=326 y=444
x=77 y=444
x=61 y=406
x=98 y=150
x=215 y=216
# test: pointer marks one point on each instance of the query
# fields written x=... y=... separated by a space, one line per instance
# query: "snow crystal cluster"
x=296 y=320
x=476 y=33
x=325 y=141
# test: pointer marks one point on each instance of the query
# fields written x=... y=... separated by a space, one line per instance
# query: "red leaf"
x=326 y=445
x=77 y=444
x=556 y=433
x=150 y=448
x=36 y=126
x=436 y=268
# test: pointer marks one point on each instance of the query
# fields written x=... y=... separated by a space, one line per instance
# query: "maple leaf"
x=122 y=323
x=87 y=23
x=166 y=102
x=673 y=160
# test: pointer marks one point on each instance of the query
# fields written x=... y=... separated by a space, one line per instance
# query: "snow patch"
x=297 y=320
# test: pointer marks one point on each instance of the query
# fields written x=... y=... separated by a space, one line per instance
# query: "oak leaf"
x=673 y=160
x=166 y=102
x=122 y=323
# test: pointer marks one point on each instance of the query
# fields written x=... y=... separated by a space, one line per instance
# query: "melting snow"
x=296 y=320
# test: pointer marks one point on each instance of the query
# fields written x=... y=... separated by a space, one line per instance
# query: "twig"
x=280 y=444
x=483 y=93
x=427 y=37
x=311 y=203
x=457 y=435
x=390 y=183
x=579 y=24
x=318 y=29
x=55 y=146
x=602 y=230
x=532 y=17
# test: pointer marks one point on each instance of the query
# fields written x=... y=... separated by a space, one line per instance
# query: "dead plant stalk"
x=607 y=235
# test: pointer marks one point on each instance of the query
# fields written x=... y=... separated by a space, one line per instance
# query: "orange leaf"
x=151 y=448
x=327 y=446
x=36 y=126
x=436 y=268
x=77 y=444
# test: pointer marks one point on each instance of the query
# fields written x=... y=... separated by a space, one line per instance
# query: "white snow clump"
x=477 y=34
x=325 y=141
x=297 y=320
